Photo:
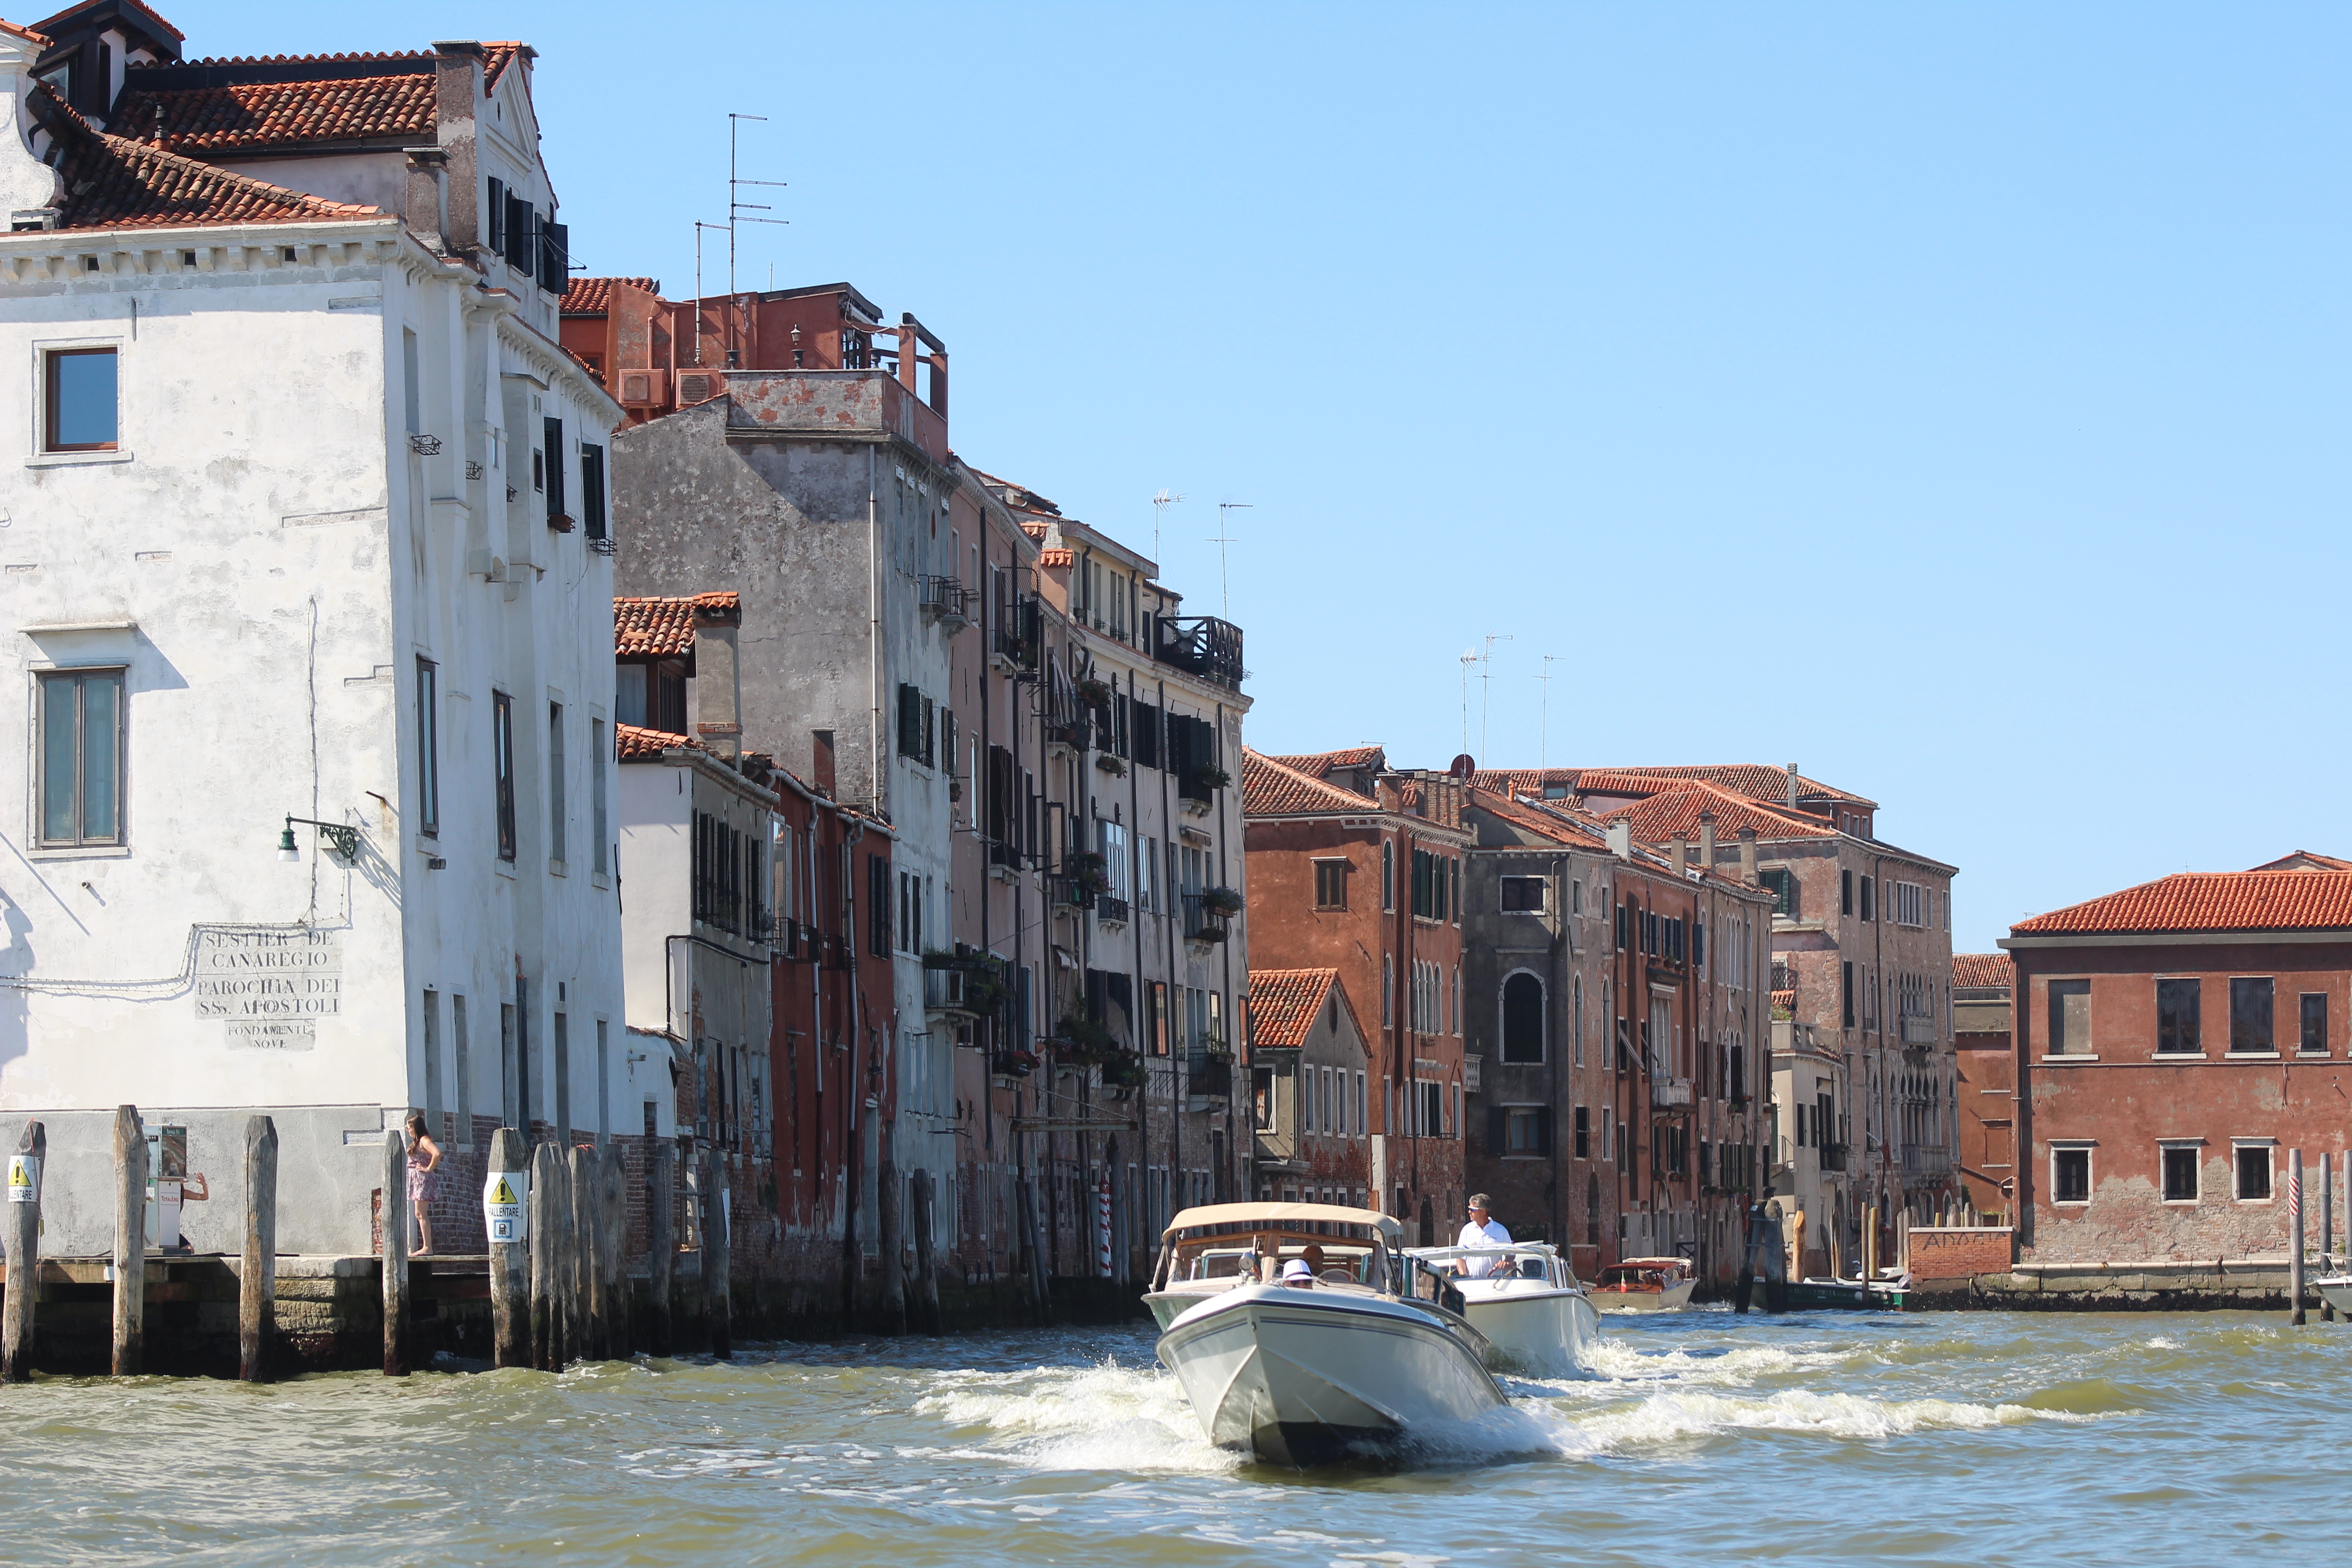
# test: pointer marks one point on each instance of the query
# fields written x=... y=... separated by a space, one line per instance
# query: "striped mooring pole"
x=2294 y=1253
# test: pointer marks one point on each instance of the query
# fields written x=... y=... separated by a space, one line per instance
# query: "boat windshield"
x=1521 y=1262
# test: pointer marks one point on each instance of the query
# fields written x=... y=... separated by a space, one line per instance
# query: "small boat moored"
x=1526 y=1299
x=1645 y=1284
x=1344 y=1356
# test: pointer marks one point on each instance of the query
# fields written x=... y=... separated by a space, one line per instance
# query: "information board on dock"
x=269 y=986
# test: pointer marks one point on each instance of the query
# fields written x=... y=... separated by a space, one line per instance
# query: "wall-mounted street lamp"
x=342 y=839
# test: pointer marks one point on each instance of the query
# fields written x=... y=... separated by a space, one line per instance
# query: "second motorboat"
x=1526 y=1299
x=1358 y=1349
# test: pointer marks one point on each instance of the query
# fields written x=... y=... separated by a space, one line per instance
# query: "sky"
x=1948 y=399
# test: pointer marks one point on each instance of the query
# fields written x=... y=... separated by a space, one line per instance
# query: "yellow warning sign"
x=24 y=1179
x=503 y=1216
x=501 y=1190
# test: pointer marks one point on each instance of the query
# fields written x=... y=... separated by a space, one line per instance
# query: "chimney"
x=1707 y=840
x=718 y=683
x=821 y=762
x=1621 y=839
x=456 y=92
x=1792 y=786
x=1682 y=847
x=1747 y=855
x=426 y=219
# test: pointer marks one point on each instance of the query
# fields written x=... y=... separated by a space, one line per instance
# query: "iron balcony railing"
x=1110 y=909
x=1211 y=1077
x=1014 y=644
x=1833 y=1156
x=1919 y=1031
x=1203 y=646
x=1203 y=922
x=948 y=599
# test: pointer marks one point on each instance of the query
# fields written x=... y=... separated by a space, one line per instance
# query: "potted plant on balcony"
x=1123 y=1069
x=1016 y=1063
x=1094 y=692
x=1215 y=1047
x=1112 y=763
x=1221 y=901
x=1089 y=873
x=1211 y=778
x=1081 y=1040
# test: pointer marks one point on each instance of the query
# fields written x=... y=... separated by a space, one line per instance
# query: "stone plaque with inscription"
x=269 y=986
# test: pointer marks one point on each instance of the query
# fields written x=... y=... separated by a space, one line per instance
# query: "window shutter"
x=554 y=439
x=554 y=256
x=930 y=750
x=592 y=491
x=497 y=215
x=521 y=237
x=1497 y=1134
x=910 y=720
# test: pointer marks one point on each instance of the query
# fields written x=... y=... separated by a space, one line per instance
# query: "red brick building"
x=1356 y=866
x=1988 y=1079
x=2175 y=1041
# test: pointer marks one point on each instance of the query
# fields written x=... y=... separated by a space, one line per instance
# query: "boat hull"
x=1313 y=1377
x=1800 y=1295
x=1673 y=1299
x=2336 y=1290
x=1539 y=1330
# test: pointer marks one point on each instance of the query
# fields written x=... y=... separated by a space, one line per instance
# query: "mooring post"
x=927 y=1279
x=545 y=1332
x=2326 y=1227
x=1747 y=1265
x=588 y=1234
x=570 y=1240
x=661 y=1241
x=129 y=1241
x=395 y=1253
x=506 y=1219
x=24 y=1233
x=717 y=1311
x=257 y=1279
x=2294 y=1226
x=613 y=1246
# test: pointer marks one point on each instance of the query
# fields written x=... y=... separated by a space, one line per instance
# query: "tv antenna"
x=735 y=207
x=1543 y=729
x=1485 y=676
x=1224 y=583
x=1469 y=658
x=1160 y=505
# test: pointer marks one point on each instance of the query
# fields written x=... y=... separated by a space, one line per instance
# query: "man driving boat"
x=1481 y=1231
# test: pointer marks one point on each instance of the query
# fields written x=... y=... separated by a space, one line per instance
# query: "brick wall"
x=1939 y=1252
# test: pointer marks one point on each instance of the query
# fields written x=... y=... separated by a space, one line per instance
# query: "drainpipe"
x=874 y=792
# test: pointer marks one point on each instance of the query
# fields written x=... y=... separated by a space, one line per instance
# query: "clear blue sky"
x=1948 y=399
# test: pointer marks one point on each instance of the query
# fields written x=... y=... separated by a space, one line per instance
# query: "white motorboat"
x=1304 y=1374
x=1645 y=1284
x=2336 y=1290
x=1526 y=1299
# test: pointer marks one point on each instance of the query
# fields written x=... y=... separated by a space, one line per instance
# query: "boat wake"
x=1100 y=1417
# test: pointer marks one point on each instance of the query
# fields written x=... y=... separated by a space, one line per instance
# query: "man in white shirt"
x=1481 y=1231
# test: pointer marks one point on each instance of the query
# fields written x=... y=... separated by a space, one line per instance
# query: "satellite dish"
x=1461 y=766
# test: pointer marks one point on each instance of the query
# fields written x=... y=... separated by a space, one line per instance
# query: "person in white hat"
x=1298 y=1275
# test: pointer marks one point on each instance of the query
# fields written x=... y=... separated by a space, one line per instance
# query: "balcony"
x=1668 y=1091
x=1110 y=910
x=1919 y=1032
x=1833 y=1156
x=1209 y=1076
x=943 y=992
x=1066 y=737
x=1012 y=650
x=1926 y=1161
x=1005 y=862
x=947 y=601
x=1203 y=645
x=1206 y=924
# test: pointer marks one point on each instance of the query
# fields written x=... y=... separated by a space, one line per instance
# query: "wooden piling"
x=257 y=1280
x=24 y=1234
x=613 y=1172
x=717 y=1308
x=546 y=1330
x=927 y=1280
x=564 y=1262
x=1869 y=1250
x=661 y=1242
x=129 y=1241
x=2295 y=1223
x=2326 y=1227
x=394 y=1251
x=891 y=1313
x=587 y=1238
x=508 y=1228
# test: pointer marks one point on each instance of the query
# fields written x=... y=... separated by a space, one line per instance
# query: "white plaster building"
x=302 y=513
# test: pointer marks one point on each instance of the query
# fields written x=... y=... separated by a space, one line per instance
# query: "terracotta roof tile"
x=2304 y=860
x=1284 y=1004
x=1321 y=764
x=1984 y=971
x=148 y=11
x=1758 y=782
x=111 y=183
x=1270 y=788
x=2209 y=900
x=1037 y=531
x=664 y=628
x=1655 y=820
x=593 y=296
x=26 y=34
x=636 y=743
x=251 y=117
x=1554 y=819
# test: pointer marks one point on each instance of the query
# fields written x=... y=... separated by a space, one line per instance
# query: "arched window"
x=1523 y=1019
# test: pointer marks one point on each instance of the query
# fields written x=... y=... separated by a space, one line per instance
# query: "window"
x=1846 y=970
x=1870 y=899
x=431 y=1017
x=1782 y=883
x=2180 y=1163
x=1846 y=892
x=554 y=429
x=412 y=383
x=428 y=748
x=917 y=717
x=2314 y=1034
x=1910 y=904
x=1331 y=884
x=2069 y=1018
x=878 y=906
x=1387 y=875
x=2250 y=1013
x=502 y=766
x=2069 y=1175
x=1576 y=898
x=1526 y=1131
x=598 y=812
x=462 y=1079
x=1523 y=894
x=1584 y=1132
x=555 y=781
x=1523 y=1019
x=592 y=491
x=82 y=757
x=80 y=408
x=2177 y=1005
x=2253 y=1172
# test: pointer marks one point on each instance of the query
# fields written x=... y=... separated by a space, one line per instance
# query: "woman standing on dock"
x=423 y=1179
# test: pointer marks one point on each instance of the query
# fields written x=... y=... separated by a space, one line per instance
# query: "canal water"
x=1956 y=1438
